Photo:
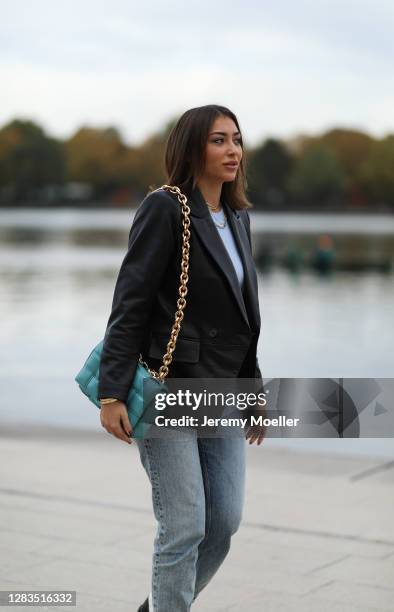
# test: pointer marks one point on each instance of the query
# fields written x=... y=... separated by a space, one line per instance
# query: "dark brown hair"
x=185 y=153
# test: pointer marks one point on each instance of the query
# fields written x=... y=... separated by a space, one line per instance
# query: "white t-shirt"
x=228 y=240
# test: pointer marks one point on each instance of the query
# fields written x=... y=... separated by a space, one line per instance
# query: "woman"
x=197 y=483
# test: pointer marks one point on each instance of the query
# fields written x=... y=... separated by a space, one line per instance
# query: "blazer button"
x=213 y=332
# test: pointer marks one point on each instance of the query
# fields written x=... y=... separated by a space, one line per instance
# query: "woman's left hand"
x=257 y=432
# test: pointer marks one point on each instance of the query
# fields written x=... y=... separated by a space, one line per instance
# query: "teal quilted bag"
x=146 y=383
x=140 y=400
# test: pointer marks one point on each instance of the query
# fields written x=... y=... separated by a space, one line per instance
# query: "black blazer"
x=221 y=326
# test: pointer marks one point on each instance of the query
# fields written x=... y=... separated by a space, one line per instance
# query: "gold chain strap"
x=181 y=302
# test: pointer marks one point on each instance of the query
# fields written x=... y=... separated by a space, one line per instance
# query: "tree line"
x=340 y=169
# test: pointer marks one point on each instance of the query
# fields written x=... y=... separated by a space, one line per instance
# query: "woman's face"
x=223 y=147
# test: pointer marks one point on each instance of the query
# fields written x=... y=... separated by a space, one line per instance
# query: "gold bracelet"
x=108 y=400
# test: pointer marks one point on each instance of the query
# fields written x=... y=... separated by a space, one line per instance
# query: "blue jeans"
x=198 y=490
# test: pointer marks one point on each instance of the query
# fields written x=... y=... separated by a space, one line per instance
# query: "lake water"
x=57 y=275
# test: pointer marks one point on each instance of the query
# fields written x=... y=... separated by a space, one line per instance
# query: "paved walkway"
x=75 y=513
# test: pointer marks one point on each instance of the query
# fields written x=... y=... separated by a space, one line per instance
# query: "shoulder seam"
x=162 y=194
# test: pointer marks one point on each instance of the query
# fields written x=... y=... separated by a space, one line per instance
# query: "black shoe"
x=145 y=606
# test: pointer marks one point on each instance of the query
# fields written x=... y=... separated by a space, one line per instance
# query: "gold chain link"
x=181 y=302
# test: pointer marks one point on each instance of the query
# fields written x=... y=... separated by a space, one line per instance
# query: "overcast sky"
x=284 y=67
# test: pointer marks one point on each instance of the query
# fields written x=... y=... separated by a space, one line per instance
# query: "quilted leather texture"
x=140 y=398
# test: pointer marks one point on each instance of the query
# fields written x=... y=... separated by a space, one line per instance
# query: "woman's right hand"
x=115 y=420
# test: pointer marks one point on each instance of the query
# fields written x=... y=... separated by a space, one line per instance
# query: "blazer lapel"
x=204 y=227
x=251 y=286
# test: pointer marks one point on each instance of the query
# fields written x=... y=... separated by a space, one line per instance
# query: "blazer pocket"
x=186 y=350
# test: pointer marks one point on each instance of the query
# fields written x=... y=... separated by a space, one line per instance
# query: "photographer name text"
x=189 y=421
